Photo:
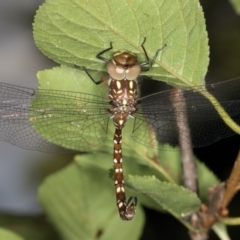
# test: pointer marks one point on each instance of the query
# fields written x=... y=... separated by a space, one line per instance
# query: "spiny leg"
x=99 y=56
x=90 y=76
x=145 y=69
x=127 y=209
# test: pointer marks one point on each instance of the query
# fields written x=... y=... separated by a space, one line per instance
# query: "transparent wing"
x=156 y=113
x=31 y=119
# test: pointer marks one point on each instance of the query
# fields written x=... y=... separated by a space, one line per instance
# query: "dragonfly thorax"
x=123 y=98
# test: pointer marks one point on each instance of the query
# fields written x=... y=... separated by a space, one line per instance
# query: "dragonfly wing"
x=32 y=119
x=156 y=112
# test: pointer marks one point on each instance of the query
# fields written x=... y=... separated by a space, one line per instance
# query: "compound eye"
x=133 y=72
x=116 y=72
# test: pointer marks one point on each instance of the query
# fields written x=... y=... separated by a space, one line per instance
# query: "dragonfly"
x=33 y=119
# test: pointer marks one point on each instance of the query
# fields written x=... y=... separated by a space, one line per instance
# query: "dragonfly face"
x=124 y=66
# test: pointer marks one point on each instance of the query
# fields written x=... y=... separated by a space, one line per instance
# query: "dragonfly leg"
x=99 y=55
x=148 y=62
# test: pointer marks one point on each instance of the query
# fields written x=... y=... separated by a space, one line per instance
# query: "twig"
x=233 y=184
x=219 y=196
x=184 y=137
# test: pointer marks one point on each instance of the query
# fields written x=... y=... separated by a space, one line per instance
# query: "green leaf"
x=8 y=235
x=80 y=201
x=80 y=187
x=178 y=201
x=236 y=5
x=221 y=231
x=206 y=179
x=231 y=221
x=73 y=32
x=61 y=119
x=69 y=79
x=150 y=191
x=28 y=227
